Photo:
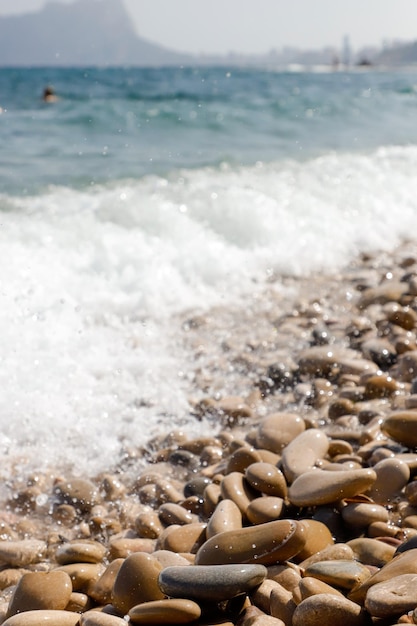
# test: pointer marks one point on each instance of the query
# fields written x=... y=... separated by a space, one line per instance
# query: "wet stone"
x=22 y=553
x=170 y=611
x=213 y=582
x=99 y=618
x=227 y=516
x=265 y=543
x=322 y=487
x=277 y=430
x=41 y=590
x=392 y=597
x=267 y=479
x=80 y=552
x=136 y=582
x=371 y=551
x=342 y=574
x=80 y=493
x=328 y=610
x=264 y=509
x=402 y=427
x=38 y=618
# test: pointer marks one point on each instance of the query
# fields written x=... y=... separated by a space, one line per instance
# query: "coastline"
x=334 y=356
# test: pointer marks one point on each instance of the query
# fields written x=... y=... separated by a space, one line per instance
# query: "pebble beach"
x=296 y=507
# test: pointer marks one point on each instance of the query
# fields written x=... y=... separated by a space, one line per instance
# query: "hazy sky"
x=220 y=26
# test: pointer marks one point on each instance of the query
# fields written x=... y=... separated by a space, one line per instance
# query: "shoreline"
x=306 y=383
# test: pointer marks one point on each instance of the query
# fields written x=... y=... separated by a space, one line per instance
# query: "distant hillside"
x=87 y=32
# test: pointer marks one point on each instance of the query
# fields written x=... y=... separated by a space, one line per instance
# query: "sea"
x=142 y=195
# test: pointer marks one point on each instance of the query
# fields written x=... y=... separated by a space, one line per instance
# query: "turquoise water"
x=121 y=123
x=145 y=194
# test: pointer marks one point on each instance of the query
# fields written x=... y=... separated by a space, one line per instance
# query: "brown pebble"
x=148 y=525
x=172 y=513
x=302 y=454
x=361 y=514
x=38 y=618
x=327 y=609
x=265 y=509
x=252 y=616
x=267 y=479
x=241 y=459
x=83 y=575
x=80 y=552
x=282 y=605
x=121 y=547
x=22 y=553
x=371 y=551
x=402 y=427
x=80 y=493
x=342 y=574
x=41 y=590
x=264 y=543
x=235 y=487
x=310 y=586
x=392 y=475
x=101 y=589
x=136 y=582
x=392 y=597
x=98 y=618
x=321 y=487
x=278 y=429
x=227 y=516
x=186 y=538
x=79 y=602
x=170 y=611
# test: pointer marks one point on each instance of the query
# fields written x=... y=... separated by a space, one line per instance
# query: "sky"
x=257 y=26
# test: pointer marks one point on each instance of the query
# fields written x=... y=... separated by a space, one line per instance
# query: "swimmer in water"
x=49 y=95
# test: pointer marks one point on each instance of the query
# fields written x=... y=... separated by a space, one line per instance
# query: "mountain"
x=84 y=33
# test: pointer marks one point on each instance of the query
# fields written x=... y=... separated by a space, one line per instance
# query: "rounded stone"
x=310 y=586
x=172 y=513
x=227 y=516
x=187 y=538
x=264 y=509
x=83 y=575
x=303 y=452
x=241 y=459
x=404 y=563
x=402 y=427
x=361 y=514
x=211 y=582
x=327 y=609
x=265 y=544
x=235 y=487
x=170 y=611
x=82 y=494
x=392 y=475
x=22 y=553
x=98 y=618
x=322 y=487
x=371 y=551
x=148 y=525
x=318 y=538
x=342 y=574
x=41 y=590
x=39 y=618
x=136 y=582
x=80 y=552
x=267 y=479
x=277 y=430
x=101 y=590
x=392 y=597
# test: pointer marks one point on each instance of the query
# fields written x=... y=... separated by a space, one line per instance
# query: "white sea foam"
x=90 y=280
